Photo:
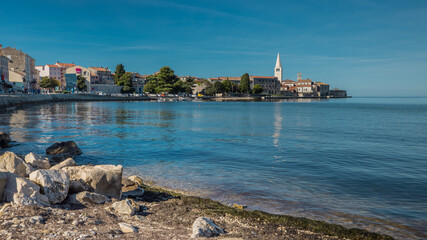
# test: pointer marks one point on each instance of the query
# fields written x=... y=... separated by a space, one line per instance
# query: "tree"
x=126 y=82
x=120 y=71
x=245 y=86
x=81 y=83
x=257 y=89
x=164 y=82
x=230 y=86
x=49 y=82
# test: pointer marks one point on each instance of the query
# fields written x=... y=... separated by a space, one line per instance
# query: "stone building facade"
x=23 y=65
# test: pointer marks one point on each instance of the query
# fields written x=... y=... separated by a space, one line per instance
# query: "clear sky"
x=366 y=47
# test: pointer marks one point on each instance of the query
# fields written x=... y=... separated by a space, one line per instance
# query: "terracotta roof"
x=67 y=65
x=52 y=66
x=288 y=81
x=304 y=81
x=99 y=69
x=320 y=83
x=263 y=77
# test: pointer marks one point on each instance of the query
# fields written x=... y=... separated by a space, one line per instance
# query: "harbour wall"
x=20 y=100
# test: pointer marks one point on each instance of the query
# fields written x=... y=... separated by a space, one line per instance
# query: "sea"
x=360 y=162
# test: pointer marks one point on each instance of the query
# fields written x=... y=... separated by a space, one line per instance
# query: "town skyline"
x=365 y=48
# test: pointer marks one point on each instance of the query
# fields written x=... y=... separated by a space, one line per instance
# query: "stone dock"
x=20 y=100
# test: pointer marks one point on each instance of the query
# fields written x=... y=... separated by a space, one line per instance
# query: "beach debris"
x=127 y=228
x=205 y=227
x=88 y=197
x=37 y=161
x=66 y=163
x=241 y=207
x=125 y=207
x=22 y=191
x=102 y=179
x=68 y=147
x=4 y=140
x=54 y=184
x=10 y=162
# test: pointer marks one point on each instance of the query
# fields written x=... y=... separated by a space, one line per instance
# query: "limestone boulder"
x=66 y=163
x=88 y=197
x=77 y=186
x=102 y=179
x=205 y=227
x=3 y=180
x=4 y=140
x=22 y=191
x=54 y=184
x=37 y=161
x=10 y=162
x=69 y=147
x=125 y=207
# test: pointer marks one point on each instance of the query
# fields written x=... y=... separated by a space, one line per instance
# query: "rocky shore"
x=52 y=197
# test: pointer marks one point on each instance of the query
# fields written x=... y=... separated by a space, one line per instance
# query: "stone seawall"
x=20 y=100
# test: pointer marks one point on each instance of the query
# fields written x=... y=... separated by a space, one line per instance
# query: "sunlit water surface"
x=359 y=162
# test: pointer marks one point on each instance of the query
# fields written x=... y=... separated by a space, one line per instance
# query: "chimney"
x=1 y=46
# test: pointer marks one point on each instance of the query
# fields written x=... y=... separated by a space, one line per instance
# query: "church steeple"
x=278 y=70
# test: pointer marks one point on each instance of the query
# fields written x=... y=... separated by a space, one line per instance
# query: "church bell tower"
x=278 y=70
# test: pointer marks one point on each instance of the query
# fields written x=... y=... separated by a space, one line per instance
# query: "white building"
x=278 y=70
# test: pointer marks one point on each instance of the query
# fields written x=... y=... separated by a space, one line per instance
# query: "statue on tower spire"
x=278 y=70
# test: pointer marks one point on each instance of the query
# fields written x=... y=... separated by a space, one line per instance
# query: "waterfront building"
x=22 y=64
x=103 y=75
x=51 y=71
x=235 y=80
x=270 y=85
x=71 y=74
x=4 y=73
x=322 y=89
x=278 y=70
x=139 y=81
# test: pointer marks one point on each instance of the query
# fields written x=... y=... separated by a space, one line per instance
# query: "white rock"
x=127 y=228
x=205 y=227
x=66 y=163
x=102 y=179
x=88 y=197
x=54 y=183
x=37 y=161
x=10 y=162
x=22 y=191
x=124 y=207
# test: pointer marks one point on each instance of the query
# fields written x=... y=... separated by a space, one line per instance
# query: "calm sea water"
x=359 y=162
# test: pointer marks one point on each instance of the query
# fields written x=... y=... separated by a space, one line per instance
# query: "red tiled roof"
x=304 y=81
x=99 y=69
x=67 y=65
x=320 y=83
x=263 y=77
x=52 y=66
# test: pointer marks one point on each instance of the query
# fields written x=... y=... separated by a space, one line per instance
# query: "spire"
x=278 y=63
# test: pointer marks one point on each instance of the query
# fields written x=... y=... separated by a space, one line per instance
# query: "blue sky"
x=367 y=47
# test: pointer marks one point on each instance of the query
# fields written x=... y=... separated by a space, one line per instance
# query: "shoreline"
x=10 y=101
x=167 y=214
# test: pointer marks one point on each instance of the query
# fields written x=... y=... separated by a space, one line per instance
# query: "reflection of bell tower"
x=278 y=70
